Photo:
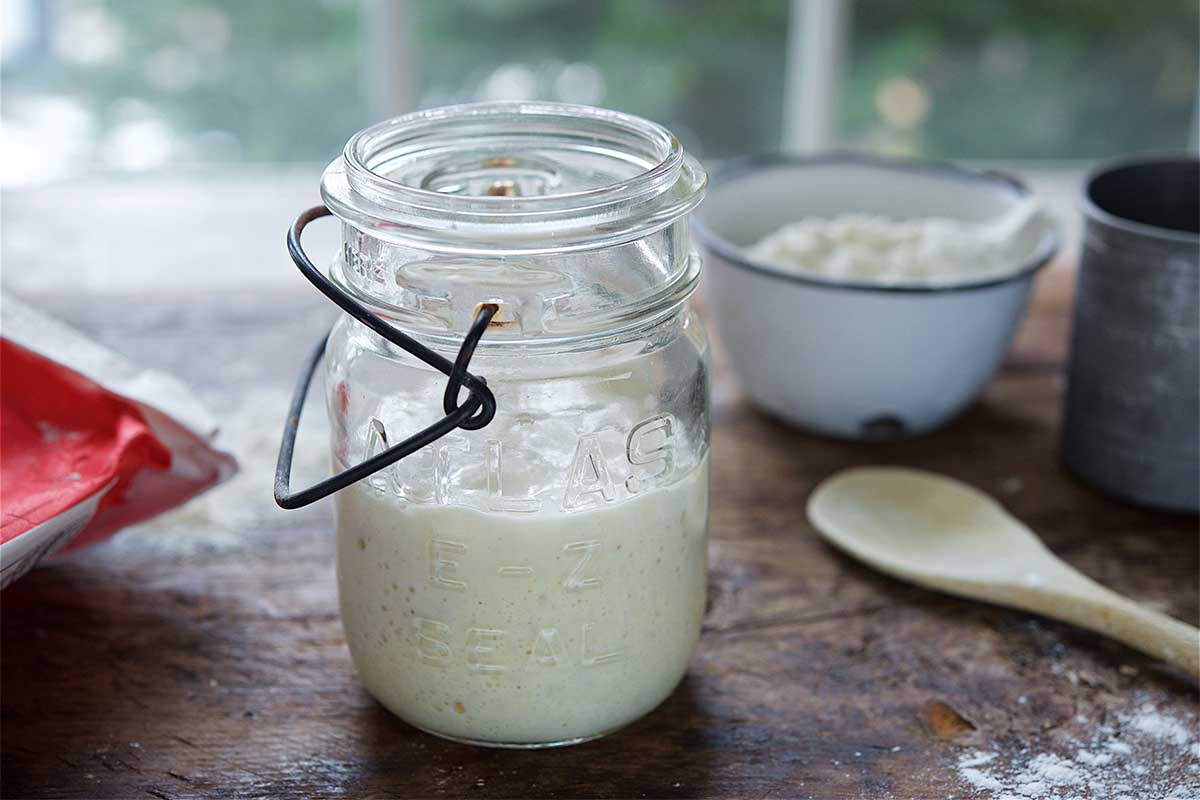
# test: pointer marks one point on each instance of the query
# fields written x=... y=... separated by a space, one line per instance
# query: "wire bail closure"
x=475 y=413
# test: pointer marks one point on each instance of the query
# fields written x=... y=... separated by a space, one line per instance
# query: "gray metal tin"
x=1132 y=414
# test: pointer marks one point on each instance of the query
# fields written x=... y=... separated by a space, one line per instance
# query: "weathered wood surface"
x=136 y=670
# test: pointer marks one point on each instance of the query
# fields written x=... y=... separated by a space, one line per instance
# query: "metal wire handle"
x=475 y=413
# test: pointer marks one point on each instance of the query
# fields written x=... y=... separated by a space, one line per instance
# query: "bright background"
x=165 y=145
x=131 y=86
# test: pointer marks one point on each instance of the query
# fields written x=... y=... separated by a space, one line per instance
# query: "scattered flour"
x=1145 y=756
x=976 y=760
x=981 y=779
x=223 y=518
x=1091 y=759
x=1156 y=725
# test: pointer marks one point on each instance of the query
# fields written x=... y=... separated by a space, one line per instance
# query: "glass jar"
x=541 y=580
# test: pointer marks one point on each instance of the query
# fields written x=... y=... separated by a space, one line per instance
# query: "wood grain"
x=132 y=671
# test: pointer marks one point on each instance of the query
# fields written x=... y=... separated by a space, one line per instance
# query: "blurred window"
x=139 y=85
x=1021 y=79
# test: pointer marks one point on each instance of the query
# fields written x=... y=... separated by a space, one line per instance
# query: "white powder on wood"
x=225 y=518
x=1158 y=726
x=1091 y=759
x=1147 y=754
x=1054 y=770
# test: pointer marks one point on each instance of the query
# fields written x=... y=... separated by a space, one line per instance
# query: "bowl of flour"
x=867 y=298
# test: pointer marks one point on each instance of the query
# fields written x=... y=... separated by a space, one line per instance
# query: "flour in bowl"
x=862 y=248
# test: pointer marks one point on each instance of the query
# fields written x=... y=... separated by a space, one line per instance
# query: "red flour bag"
x=89 y=442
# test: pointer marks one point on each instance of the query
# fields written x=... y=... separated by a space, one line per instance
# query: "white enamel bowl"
x=857 y=361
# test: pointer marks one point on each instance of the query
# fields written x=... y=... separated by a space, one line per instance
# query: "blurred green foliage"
x=1029 y=78
x=983 y=79
x=711 y=70
x=285 y=82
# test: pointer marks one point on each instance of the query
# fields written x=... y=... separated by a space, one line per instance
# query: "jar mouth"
x=512 y=178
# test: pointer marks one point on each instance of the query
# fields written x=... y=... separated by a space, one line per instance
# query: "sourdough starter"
x=523 y=629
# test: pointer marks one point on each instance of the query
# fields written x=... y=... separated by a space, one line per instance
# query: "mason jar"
x=539 y=580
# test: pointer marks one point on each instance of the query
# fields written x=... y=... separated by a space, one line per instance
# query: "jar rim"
x=666 y=185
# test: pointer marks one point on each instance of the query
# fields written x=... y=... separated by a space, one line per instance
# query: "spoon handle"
x=1092 y=606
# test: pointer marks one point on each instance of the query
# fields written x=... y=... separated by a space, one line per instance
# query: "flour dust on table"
x=218 y=520
x=1144 y=754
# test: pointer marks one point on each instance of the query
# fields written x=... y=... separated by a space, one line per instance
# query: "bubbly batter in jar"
x=523 y=629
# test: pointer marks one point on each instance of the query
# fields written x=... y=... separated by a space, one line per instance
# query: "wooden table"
x=136 y=669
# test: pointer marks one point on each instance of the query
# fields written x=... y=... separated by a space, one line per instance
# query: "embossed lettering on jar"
x=539 y=581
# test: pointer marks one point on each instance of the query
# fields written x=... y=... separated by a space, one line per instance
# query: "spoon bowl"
x=943 y=534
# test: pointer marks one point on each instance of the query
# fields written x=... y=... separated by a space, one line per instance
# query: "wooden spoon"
x=943 y=534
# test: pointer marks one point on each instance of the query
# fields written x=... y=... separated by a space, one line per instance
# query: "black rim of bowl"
x=745 y=165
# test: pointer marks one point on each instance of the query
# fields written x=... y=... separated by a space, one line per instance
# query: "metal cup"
x=1132 y=418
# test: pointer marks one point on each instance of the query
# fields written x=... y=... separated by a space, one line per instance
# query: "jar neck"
x=657 y=328
x=551 y=298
